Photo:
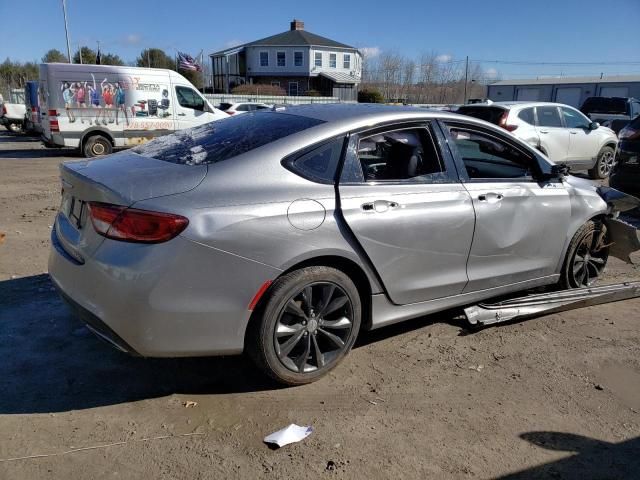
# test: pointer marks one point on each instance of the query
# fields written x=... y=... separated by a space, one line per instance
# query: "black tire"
x=268 y=341
x=586 y=257
x=604 y=164
x=96 y=146
x=14 y=127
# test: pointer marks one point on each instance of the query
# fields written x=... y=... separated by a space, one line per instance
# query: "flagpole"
x=204 y=75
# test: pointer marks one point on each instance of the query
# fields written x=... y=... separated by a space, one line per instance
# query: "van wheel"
x=15 y=127
x=96 y=146
x=604 y=164
x=307 y=325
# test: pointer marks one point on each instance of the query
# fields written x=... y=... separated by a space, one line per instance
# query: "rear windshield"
x=488 y=114
x=224 y=139
x=613 y=105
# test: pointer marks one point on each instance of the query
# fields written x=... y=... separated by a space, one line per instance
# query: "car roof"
x=517 y=103
x=352 y=112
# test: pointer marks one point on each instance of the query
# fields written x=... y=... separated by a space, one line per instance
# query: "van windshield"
x=224 y=139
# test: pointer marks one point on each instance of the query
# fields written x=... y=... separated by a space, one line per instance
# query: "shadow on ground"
x=52 y=363
x=590 y=458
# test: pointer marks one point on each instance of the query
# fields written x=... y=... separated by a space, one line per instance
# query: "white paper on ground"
x=291 y=434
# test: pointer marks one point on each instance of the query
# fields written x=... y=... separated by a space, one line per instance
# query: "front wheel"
x=604 y=164
x=309 y=323
x=587 y=256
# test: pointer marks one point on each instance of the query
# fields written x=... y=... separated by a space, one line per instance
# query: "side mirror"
x=560 y=169
x=593 y=125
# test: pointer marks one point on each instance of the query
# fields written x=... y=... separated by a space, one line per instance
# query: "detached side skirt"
x=543 y=304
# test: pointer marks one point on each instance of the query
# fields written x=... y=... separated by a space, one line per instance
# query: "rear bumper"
x=173 y=299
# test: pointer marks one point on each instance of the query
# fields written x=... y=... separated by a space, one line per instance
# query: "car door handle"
x=573 y=133
x=490 y=197
x=544 y=131
x=379 y=206
x=182 y=114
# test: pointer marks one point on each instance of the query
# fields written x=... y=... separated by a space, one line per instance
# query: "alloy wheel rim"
x=606 y=163
x=313 y=327
x=589 y=259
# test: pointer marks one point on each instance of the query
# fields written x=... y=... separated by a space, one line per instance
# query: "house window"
x=264 y=59
x=318 y=59
x=282 y=62
x=332 y=60
x=275 y=84
x=346 y=61
x=293 y=89
x=297 y=59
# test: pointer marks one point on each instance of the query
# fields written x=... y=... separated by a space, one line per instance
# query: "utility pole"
x=66 y=30
x=466 y=79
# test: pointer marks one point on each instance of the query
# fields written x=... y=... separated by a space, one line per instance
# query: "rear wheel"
x=308 y=324
x=587 y=256
x=14 y=127
x=97 y=145
x=604 y=164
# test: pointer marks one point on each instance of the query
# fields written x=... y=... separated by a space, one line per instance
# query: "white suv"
x=559 y=131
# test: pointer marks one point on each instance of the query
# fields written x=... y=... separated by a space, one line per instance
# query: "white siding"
x=253 y=60
x=356 y=64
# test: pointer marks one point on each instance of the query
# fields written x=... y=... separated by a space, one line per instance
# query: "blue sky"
x=518 y=30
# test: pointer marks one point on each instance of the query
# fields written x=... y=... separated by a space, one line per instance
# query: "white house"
x=296 y=60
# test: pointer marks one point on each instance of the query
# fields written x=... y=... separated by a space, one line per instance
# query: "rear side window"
x=611 y=105
x=488 y=114
x=548 y=117
x=527 y=116
x=320 y=163
x=225 y=106
x=224 y=139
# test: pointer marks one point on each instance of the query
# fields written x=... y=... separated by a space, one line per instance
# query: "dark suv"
x=626 y=172
x=612 y=112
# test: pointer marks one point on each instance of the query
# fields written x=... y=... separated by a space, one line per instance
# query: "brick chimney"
x=297 y=25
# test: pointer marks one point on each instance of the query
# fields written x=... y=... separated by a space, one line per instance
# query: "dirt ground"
x=553 y=397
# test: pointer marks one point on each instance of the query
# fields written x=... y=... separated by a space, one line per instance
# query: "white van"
x=97 y=108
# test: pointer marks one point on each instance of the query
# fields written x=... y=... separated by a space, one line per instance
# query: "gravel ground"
x=553 y=397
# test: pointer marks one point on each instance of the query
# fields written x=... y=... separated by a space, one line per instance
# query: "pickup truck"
x=612 y=112
x=13 y=111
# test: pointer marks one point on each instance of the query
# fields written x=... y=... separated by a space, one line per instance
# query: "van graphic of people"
x=94 y=98
x=67 y=96
x=120 y=101
x=81 y=91
x=107 y=96
x=164 y=103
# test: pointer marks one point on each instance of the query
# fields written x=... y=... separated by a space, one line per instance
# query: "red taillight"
x=503 y=122
x=133 y=225
x=4 y=110
x=53 y=121
x=230 y=113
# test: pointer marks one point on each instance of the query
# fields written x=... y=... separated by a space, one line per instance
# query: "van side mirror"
x=593 y=125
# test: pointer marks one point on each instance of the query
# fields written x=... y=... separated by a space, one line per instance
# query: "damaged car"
x=283 y=234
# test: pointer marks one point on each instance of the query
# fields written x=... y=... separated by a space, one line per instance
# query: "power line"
x=514 y=62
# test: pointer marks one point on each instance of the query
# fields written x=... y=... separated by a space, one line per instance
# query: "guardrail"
x=218 y=98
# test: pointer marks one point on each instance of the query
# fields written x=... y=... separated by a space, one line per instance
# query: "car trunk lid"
x=120 y=179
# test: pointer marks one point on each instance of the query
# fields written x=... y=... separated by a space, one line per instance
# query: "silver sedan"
x=284 y=233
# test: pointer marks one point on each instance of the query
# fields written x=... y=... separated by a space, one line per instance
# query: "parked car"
x=626 y=172
x=559 y=131
x=13 y=111
x=285 y=233
x=243 y=107
x=613 y=112
x=98 y=108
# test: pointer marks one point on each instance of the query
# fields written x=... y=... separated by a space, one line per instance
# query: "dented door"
x=520 y=232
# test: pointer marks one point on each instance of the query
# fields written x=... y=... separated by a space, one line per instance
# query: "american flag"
x=187 y=62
